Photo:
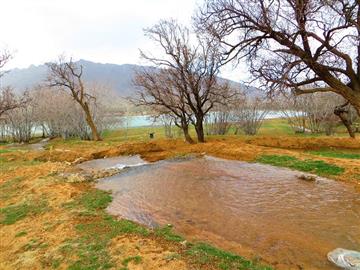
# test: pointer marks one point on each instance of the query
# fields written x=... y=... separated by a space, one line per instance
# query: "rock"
x=344 y=258
x=307 y=177
x=76 y=177
x=87 y=176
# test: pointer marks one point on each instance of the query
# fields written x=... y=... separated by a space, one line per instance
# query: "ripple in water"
x=249 y=208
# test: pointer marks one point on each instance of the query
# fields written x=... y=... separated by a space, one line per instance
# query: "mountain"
x=118 y=77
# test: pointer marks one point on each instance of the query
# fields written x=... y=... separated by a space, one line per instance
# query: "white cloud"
x=101 y=31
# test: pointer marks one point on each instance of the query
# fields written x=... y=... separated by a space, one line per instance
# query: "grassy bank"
x=48 y=223
x=318 y=167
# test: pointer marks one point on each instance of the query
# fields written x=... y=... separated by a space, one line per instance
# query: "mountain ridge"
x=117 y=77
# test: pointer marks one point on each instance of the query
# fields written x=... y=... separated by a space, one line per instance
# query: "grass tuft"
x=22 y=233
x=10 y=187
x=167 y=233
x=203 y=254
x=96 y=232
x=95 y=200
x=314 y=166
x=335 y=154
x=136 y=259
x=13 y=213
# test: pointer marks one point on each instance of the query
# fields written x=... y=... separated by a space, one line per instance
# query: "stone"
x=307 y=177
x=76 y=177
x=344 y=258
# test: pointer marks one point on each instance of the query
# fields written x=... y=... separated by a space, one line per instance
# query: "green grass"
x=269 y=127
x=10 y=187
x=95 y=200
x=313 y=166
x=22 y=233
x=136 y=259
x=335 y=154
x=202 y=253
x=140 y=133
x=275 y=126
x=8 y=164
x=4 y=151
x=13 y=213
x=34 y=244
x=167 y=233
x=96 y=232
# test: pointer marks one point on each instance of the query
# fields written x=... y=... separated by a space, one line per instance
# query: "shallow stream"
x=252 y=209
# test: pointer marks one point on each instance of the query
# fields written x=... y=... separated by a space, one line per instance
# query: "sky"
x=104 y=31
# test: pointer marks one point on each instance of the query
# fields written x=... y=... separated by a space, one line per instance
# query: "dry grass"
x=237 y=148
x=37 y=239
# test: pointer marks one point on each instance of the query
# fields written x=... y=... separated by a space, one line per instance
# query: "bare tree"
x=292 y=108
x=318 y=112
x=193 y=66
x=159 y=90
x=56 y=112
x=248 y=114
x=67 y=75
x=309 y=46
x=167 y=120
x=21 y=123
x=8 y=99
x=218 y=122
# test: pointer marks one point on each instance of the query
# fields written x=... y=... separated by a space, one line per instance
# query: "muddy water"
x=252 y=209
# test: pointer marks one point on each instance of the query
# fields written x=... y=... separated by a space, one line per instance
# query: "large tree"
x=67 y=75
x=193 y=64
x=159 y=91
x=305 y=45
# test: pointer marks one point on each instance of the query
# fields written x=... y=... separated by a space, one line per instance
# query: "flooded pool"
x=252 y=209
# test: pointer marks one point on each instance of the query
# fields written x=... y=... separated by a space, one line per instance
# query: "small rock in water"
x=307 y=177
x=344 y=258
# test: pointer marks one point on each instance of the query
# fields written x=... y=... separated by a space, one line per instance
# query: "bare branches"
x=190 y=64
x=291 y=44
x=4 y=58
x=67 y=75
x=9 y=101
x=160 y=91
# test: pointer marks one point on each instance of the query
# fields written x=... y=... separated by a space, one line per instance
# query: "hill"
x=117 y=77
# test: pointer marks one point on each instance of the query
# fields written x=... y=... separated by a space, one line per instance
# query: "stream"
x=252 y=209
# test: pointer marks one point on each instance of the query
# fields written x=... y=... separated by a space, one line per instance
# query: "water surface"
x=252 y=209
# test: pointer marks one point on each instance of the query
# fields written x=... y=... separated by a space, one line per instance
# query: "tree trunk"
x=200 y=131
x=187 y=136
x=43 y=131
x=342 y=113
x=90 y=121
